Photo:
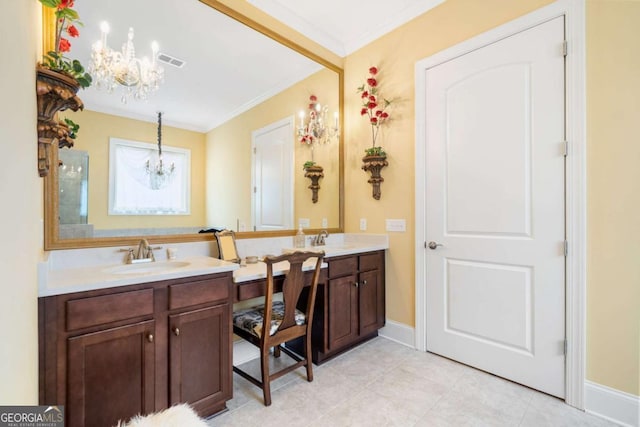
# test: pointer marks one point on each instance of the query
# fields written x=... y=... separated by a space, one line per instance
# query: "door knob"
x=150 y=337
x=433 y=245
x=176 y=331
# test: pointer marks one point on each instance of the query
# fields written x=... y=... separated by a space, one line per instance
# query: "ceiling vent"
x=167 y=59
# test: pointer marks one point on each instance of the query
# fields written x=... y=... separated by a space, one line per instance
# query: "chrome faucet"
x=319 y=239
x=144 y=253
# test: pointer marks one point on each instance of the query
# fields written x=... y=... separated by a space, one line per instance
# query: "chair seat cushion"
x=251 y=319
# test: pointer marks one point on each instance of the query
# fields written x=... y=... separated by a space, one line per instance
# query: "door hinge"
x=255 y=189
x=565 y=148
x=566 y=345
x=566 y=248
x=255 y=150
x=425 y=245
x=565 y=48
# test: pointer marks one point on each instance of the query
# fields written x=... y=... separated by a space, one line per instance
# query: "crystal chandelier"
x=159 y=175
x=316 y=129
x=111 y=69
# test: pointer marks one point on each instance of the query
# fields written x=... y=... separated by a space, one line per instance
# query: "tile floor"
x=383 y=383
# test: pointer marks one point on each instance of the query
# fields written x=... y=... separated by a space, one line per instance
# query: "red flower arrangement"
x=54 y=60
x=374 y=109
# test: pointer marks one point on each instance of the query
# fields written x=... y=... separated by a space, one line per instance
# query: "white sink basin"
x=145 y=268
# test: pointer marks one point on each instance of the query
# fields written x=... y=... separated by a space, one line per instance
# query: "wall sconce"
x=316 y=130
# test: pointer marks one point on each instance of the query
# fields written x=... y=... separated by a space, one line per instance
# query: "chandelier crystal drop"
x=110 y=69
x=160 y=176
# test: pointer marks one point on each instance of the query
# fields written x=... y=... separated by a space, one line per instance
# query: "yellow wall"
x=21 y=190
x=93 y=137
x=229 y=158
x=613 y=110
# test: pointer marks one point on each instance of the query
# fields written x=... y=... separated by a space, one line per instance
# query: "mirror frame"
x=52 y=239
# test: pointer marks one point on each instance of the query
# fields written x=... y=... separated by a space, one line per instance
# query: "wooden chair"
x=287 y=321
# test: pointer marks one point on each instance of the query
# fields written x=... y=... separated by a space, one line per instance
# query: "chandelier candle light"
x=159 y=175
x=111 y=69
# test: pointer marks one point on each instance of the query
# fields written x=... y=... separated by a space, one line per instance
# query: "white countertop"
x=90 y=278
x=63 y=276
x=257 y=271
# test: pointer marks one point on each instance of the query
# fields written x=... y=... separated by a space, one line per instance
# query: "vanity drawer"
x=343 y=266
x=93 y=311
x=209 y=290
x=370 y=261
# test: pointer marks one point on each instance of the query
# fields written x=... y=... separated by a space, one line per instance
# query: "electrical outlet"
x=363 y=224
x=324 y=222
x=304 y=222
x=243 y=227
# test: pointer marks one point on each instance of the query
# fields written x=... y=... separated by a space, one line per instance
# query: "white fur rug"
x=176 y=416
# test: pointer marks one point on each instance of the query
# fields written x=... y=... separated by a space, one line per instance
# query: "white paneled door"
x=272 y=201
x=495 y=208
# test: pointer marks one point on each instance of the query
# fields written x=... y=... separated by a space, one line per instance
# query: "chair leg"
x=276 y=351
x=266 y=382
x=307 y=355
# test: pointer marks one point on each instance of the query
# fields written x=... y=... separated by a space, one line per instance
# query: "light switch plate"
x=396 y=225
x=363 y=224
x=304 y=222
x=324 y=222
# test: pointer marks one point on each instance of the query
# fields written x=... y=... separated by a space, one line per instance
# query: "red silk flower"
x=64 y=45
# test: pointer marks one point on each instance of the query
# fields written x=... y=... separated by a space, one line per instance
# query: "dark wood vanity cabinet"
x=350 y=306
x=109 y=373
x=109 y=354
x=199 y=346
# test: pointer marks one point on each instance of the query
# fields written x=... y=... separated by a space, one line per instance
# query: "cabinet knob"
x=356 y=284
x=364 y=282
x=176 y=331
x=150 y=337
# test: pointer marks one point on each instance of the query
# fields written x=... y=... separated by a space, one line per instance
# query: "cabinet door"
x=368 y=298
x=111 y=375
x=200 y=358
x=343 y=311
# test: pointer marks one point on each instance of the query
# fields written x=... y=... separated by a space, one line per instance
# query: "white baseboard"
x=614 y=405
x=398 y=332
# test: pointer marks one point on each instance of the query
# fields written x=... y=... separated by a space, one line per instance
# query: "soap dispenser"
x=298 y=241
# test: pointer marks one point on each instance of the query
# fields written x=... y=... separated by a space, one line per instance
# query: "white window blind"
x=130 y=191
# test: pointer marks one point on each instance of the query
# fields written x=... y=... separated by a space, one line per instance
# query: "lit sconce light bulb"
x=104 y=30
x=301 y=115
x=335 y=119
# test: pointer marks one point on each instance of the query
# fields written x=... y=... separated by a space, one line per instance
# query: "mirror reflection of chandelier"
x=110 y=69
x=72 y=171
x=159 y=174
x=317 y=129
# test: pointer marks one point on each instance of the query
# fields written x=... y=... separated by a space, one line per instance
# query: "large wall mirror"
x=241 y=88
